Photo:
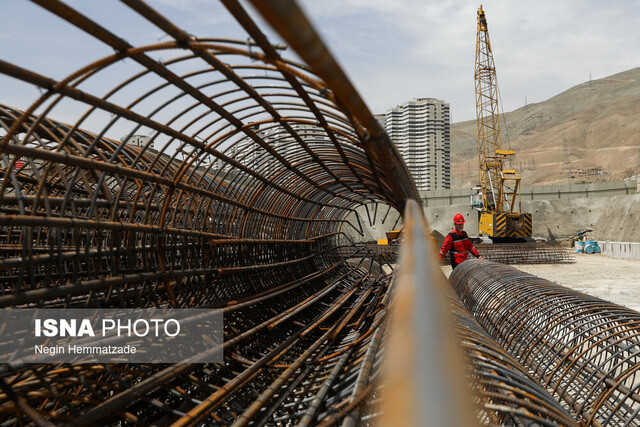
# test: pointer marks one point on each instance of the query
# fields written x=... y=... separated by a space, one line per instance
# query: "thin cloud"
x=402 y=49
x=427 y=48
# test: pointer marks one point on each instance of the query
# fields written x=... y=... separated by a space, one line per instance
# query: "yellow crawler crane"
x=500 y=217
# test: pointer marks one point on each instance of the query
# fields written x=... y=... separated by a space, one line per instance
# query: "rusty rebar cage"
x=433 y=337
x=215 y=173
x=524 y=253
x=234 y=198
x=586 y=351
x=506 y=394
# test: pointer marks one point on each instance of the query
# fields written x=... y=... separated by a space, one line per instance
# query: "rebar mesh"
x=208 y=172
x=586 y=351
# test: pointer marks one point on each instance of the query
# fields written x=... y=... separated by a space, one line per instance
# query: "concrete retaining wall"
x=441 y=218
x=552 y=219
x=628 y=250
x=375 y=219
x=612 y=218
x=543 y=192
x=459 y=196
x=619 y=220
x=563 y=219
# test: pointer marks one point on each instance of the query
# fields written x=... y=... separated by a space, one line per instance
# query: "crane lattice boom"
x=500 y=187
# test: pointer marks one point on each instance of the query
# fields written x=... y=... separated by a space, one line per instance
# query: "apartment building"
x=421 y=129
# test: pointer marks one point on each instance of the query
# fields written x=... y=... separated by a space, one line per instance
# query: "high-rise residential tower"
x=421 y=129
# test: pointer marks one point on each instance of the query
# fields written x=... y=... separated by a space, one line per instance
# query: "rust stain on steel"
x=423 y=358
x=236 y=197
x=584 y=350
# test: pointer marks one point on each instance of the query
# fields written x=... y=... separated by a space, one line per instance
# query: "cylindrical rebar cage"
x=586 y=351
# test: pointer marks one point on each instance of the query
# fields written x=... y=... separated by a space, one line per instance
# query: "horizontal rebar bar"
x=222 y=177
x=235 y=199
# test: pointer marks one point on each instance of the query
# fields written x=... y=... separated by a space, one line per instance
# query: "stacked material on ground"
x=524 y=253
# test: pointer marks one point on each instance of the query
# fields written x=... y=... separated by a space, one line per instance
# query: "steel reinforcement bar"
x=527 y=253
x=440 y=359
x=208 y=172
x=584 y=350
x=523 y=253
x=193 y=173
x=506 y=394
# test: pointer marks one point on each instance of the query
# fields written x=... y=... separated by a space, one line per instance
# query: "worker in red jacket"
x=458 y=243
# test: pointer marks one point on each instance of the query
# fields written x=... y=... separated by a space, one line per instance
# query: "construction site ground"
x=612 y=279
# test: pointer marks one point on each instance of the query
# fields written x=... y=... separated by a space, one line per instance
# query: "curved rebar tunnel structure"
x=586 y=351
x=218 y=176
x=214 y=173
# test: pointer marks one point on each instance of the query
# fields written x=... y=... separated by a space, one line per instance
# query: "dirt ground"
x=615 y=280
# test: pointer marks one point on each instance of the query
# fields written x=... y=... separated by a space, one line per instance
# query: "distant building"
x=137 y=140
x=421 y=129
x=286 y=145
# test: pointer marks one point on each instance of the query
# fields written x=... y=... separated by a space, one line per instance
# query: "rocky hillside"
x=588 y=133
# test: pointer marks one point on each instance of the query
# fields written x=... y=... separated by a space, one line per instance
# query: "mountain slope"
x=585 y=134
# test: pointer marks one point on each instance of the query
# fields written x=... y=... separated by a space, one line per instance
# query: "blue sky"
x=393 y=50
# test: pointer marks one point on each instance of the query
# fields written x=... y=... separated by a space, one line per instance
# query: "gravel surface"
x=615 y=280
